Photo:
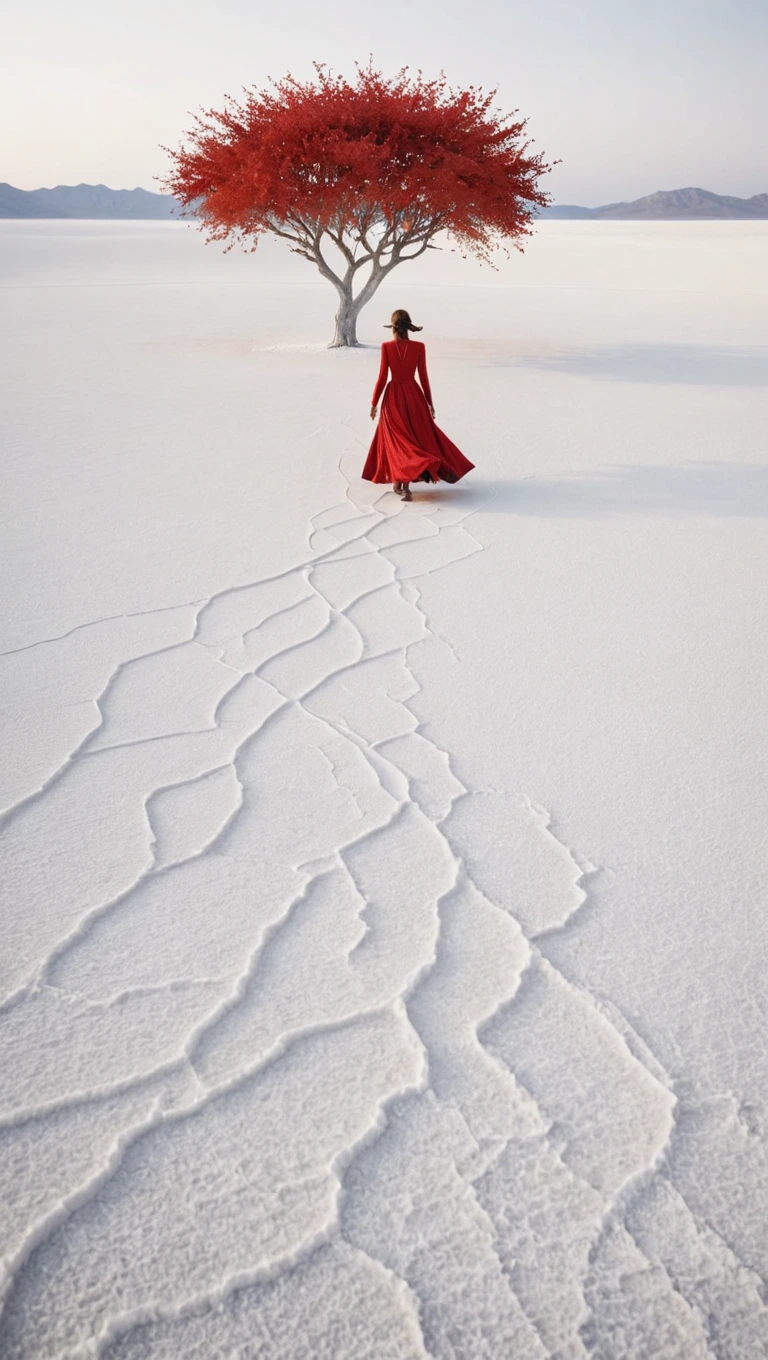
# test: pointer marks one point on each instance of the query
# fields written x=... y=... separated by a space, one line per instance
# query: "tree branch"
x=325 y=269
x=338 y=240
x=397 y=244
x=416 y=253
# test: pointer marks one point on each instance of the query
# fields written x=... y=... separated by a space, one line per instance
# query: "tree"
x=360 y=177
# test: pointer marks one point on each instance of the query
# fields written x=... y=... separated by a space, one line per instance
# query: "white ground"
x=384 y=948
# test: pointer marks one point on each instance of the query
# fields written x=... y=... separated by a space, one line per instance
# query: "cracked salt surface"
x=321 y=1034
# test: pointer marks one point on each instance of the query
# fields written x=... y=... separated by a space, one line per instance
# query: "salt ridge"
x=427 y=1013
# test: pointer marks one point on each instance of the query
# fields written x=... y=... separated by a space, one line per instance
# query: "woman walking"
x=408 y=446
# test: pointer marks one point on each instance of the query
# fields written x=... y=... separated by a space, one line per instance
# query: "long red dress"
x=407 y=445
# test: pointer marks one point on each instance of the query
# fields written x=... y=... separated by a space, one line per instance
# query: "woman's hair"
x=400 y=322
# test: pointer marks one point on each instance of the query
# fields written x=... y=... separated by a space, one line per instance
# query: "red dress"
x=407 y=445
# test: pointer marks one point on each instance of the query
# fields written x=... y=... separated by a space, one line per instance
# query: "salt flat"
x=384 y=949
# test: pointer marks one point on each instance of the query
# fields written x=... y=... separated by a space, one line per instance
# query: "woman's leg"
x=406 y=492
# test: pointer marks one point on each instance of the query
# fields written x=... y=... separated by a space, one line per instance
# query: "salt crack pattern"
x=286 y=1068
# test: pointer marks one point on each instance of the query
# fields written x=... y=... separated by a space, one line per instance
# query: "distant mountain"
x=86 y=201
x=97 y=201
x=566 y=210
x=669 y=205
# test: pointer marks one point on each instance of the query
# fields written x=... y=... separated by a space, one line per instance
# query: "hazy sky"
x=632 y=95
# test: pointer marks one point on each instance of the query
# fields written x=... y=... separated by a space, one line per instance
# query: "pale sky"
x=631 y=95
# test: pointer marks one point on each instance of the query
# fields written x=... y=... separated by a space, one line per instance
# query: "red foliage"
x=407 y=156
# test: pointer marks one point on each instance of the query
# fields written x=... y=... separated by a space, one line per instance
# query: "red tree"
x=366 y=173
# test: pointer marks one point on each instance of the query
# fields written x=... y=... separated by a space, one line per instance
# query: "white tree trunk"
x=345 y=334
x=351 y=305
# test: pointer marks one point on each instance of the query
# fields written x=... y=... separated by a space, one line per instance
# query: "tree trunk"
x=350 y=306
x=346 y=320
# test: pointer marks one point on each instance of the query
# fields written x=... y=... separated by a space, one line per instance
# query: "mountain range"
x=669 y=204
x=86 y=201
x=97 y=201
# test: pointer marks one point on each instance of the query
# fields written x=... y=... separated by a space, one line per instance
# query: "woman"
x=407 y=446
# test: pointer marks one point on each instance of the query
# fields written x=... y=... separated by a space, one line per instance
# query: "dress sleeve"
x=423 y=376
x=381 y=381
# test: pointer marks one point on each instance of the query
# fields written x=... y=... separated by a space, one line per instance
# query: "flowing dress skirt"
x=407 y=445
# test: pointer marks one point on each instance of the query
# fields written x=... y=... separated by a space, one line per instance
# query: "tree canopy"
x=376 y=167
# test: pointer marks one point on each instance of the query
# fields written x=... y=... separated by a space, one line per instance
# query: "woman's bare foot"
x=406 y=492
x=397 y=487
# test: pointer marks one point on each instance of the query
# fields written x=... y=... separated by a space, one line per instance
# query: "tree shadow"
x=697 y=365
x=706 y=488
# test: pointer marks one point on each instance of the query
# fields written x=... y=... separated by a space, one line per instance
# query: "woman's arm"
x=424 y=377
x=381 y=381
